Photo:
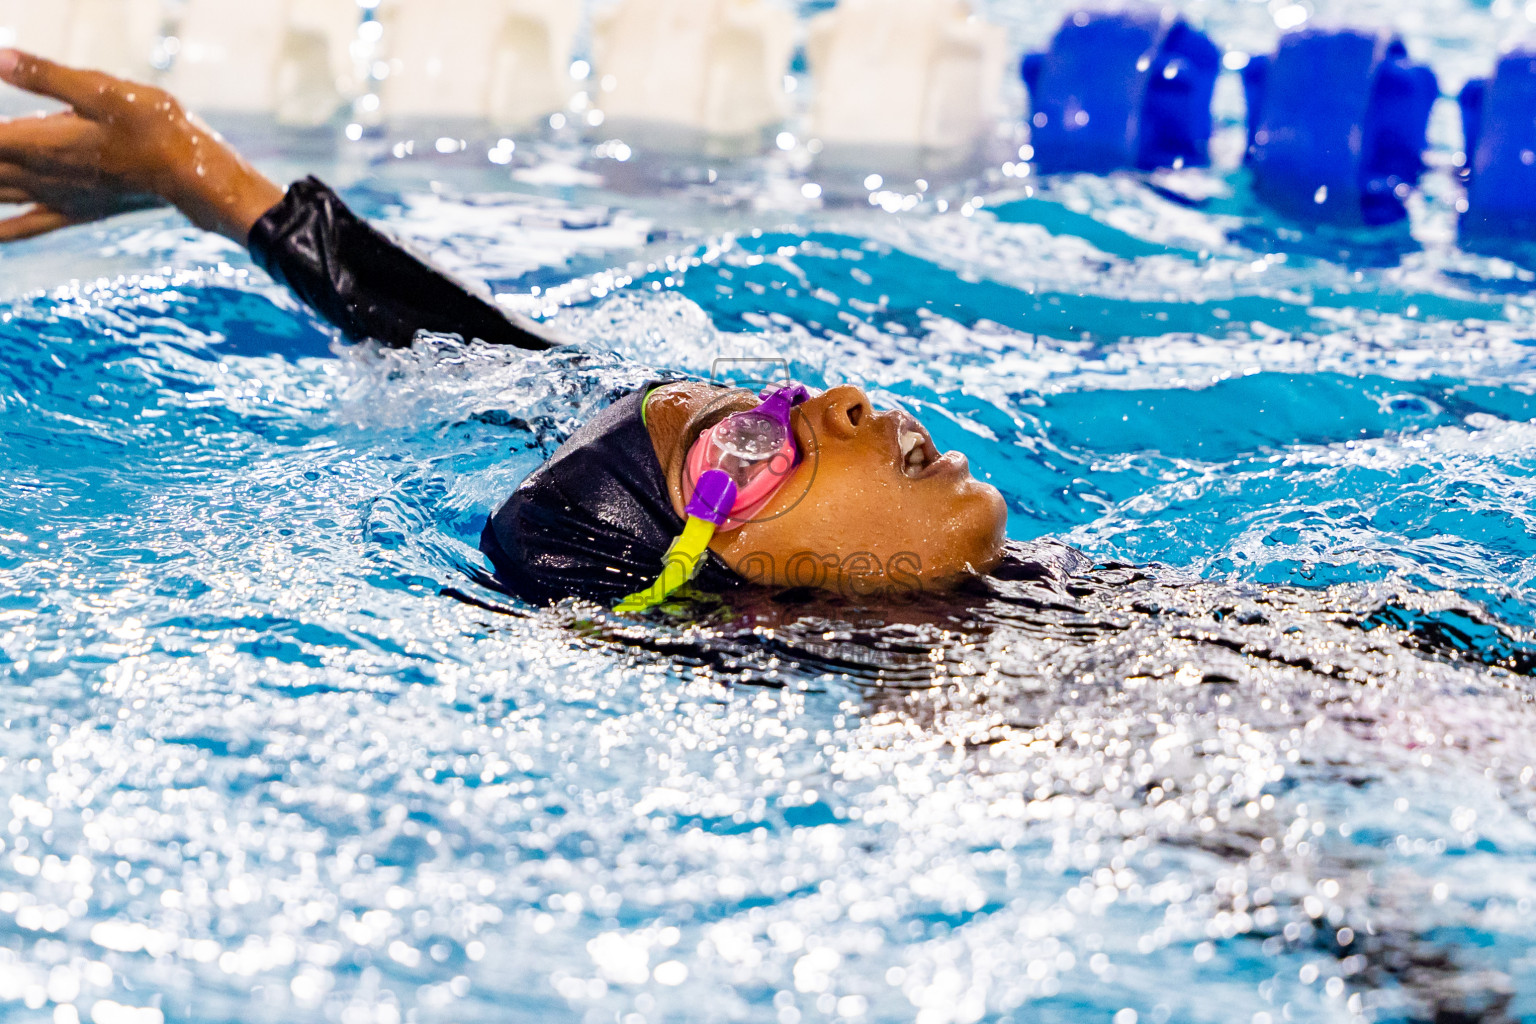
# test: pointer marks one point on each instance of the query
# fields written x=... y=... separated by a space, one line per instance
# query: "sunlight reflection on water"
x=258 y=767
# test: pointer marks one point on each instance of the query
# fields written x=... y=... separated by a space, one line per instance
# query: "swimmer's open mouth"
x=918 y=453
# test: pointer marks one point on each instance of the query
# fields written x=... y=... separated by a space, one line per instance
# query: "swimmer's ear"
x=92 y=93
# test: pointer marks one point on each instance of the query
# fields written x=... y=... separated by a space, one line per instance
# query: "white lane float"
x=904 y=77
x=288 y=58
x=683 y=71
x=117 y=36
x=42 y=28
x=503 y=61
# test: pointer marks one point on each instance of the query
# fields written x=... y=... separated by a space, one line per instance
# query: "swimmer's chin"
x=991 y=517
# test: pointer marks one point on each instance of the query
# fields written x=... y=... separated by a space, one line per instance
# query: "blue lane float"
x=1498 y=117
x=1118 y=91
x=1336 y=124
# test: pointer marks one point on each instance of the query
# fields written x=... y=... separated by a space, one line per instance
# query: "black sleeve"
x=365 y=284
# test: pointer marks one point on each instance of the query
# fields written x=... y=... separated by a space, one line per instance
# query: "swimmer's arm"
x=119 y=146
x=122 y=145
x=367 y=284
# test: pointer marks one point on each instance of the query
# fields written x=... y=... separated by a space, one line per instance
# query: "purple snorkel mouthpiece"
x=713 y=497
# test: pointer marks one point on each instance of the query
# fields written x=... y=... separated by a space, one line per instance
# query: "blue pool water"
x=257 y=765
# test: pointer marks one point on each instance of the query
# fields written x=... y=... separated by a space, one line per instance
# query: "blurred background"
x=905 y=85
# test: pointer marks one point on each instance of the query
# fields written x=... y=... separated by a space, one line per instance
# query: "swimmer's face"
x=873 y=506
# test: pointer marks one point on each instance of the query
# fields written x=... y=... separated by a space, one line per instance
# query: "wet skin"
x=119 y=144
x=864 y=513
x=873 y=507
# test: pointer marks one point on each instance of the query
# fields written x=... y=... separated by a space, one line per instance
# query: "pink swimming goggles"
x=753 y=450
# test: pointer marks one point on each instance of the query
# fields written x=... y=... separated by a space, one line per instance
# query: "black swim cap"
x=595 y=521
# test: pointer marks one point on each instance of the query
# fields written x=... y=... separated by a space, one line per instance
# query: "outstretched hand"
x=120 y=144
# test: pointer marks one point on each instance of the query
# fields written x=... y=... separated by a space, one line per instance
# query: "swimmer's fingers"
x=37 y=221
x=49 y=143
x=19 y=185
x=68 y=194
x=37 y=187
x=92 y=93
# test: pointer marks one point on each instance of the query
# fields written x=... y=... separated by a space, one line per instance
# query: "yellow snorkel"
x=681 y=564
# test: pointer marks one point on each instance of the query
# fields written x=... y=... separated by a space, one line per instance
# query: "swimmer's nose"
x=845 y=410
